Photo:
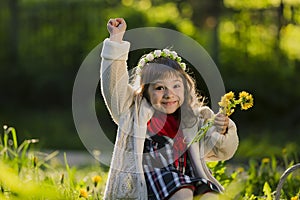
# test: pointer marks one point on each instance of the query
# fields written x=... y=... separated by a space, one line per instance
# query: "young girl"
x=157 y=115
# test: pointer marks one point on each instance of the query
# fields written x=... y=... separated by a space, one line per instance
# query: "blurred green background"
x=255 y=44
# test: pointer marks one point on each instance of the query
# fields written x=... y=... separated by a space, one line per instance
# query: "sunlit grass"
x=27 y=174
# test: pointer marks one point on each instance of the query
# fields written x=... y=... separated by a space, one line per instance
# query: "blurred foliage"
x=254 y=43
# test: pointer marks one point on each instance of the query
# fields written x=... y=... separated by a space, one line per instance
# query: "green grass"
x=29 y=174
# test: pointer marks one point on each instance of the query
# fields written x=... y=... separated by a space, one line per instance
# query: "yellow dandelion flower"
x=83 y=193
x=246 y=100
x=229 y=95
x=96 y=180
x=246 y=106
x=227 y=103
x=240 y=170
x=295 y=198
x=226 y=99
x=224 y=102
x=243 y=94
x=265 y=160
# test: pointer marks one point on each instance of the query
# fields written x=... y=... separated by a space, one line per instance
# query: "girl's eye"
x=177 y=86
x=159 y=88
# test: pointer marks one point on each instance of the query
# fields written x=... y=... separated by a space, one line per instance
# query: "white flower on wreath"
x=138 y=70
x=157 y=53
x=183 y=66
x=167 y=52
x=150 y=57
x=174 y=55
x=142 y=62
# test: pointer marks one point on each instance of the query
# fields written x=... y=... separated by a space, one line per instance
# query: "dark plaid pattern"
x=165 y=179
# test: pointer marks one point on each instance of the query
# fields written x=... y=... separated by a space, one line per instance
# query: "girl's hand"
x=116 y=28
x=221 y=123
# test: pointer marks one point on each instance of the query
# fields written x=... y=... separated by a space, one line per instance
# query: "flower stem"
x=202 y=131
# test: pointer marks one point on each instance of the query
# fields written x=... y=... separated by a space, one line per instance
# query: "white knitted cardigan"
x=131 y=113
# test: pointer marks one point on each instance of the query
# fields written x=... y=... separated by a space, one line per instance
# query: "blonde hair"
x=161 y=68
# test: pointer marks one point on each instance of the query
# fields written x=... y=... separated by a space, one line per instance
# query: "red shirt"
x=168 y=125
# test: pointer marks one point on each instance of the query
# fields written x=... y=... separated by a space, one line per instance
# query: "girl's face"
x=167 y=95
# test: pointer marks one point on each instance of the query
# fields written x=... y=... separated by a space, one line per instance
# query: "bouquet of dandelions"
x=227 y=105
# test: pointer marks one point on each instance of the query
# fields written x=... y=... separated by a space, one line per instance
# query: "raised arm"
x=115 y=88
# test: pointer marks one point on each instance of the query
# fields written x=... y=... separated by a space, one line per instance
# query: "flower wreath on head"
x=166 y=53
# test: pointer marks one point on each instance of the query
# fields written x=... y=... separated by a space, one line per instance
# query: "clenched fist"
x=116 y=28
x=221 y=123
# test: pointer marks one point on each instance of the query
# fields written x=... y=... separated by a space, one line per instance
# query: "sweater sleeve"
x=115 y=88
x=218 y=146
x=221 y=147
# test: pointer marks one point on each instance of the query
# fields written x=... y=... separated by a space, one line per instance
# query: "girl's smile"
x=170 y=103
x=167 y=95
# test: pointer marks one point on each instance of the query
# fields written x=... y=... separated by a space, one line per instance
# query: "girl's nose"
x=168 y=93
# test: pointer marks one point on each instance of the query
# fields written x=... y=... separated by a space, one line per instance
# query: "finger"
x=113 y=23
x=222 y=119
x=116 y=23
x=226 y=121
x=222 y=130
x=221 y=126
x=109 y=26
x=120 y=21
x=110 y=22
x=122 y=24
x=220 y=115
x=221 y=122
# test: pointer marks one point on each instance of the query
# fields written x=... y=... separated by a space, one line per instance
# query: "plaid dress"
x=165 y=173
